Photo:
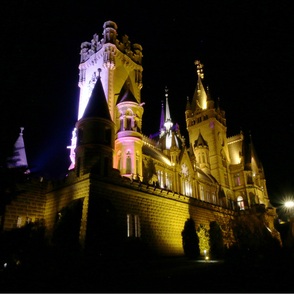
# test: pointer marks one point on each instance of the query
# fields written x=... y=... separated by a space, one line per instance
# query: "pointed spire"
x=200 y=142
x=199 y=67
x=126 y=95
x=19 y=158
x=97 y=105
x=168 y=123
x=200 y=96
x=251 y=160
x=188 y=104
x=161 y=127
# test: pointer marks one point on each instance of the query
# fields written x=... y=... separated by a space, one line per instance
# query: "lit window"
x=202 y=193
x=187 y=189
x=18 y=221
x=133 y=226
x=168 y=182
x=160 y=178
x=240 y=202
x=128 y=163
x=213 y=198
x=237 y=179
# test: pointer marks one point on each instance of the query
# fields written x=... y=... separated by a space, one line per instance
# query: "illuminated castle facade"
x=128 y=185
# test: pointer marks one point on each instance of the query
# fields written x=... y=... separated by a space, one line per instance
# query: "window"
x=237 y=179
x=213 y=198
x=240 y=202
x=119 y=160
x=207 y=196
x=168 y=182
x=18 y=221
x=133 y=226
x=137 y=163
x=187 y=189
x=160 y=178
x=129 y=163
x=203 y=158
x=202 y=193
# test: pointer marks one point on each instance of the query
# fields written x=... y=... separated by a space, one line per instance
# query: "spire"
x=97 y=105
x=251 y=160
x=127 y=95
x=200 y=96
x=200 y=142
x=168 y=123
x=188 y=104
x=19 y=158
x=161 y=127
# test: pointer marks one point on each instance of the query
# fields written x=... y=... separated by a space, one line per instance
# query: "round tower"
x=128 y=143
x=95 y=136
x=201 y=151
x=120 y=61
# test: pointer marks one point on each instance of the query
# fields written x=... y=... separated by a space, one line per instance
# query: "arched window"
x=160 y=178
x=203 y=157
x=240 y=202
x=119 y=160
x=202 y=193
x=128 y=163
x=137 y=163
x=213 y=198
x=237 y=179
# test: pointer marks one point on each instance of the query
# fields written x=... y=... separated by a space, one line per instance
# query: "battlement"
x=133 y=51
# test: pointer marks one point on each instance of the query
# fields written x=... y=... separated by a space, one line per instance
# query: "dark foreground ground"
x=161 y=275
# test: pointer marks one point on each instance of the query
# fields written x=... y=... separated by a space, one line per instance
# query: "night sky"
x=246 y=48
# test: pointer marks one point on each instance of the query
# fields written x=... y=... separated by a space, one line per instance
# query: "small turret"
x=128 y=143
x=19 y=157
x=201 y=151
x=95 y=135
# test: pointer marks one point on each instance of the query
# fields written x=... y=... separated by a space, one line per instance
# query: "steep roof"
x=18 y=158
x=154 y=153
x=97 y=105
x=126 y=96
x=200 y=142
x=251 y=161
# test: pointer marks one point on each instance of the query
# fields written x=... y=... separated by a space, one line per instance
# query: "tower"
x=201 y=151
x=202 y=116
x=120 y=63
x=95 y=135
x=19 y=157
x=128 y=143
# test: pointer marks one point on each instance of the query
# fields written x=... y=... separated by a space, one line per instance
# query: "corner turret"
x=95 y=135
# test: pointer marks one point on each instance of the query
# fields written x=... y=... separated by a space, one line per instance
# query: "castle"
x=124 y=185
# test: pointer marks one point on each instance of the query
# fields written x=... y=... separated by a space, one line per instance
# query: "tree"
x=203 y=236
x=216 y=241
x=190 y=239
x=253 y=238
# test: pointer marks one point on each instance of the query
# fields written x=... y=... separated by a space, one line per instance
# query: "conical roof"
x=251 y=160
x=18 y=158
x=97 y=105
x=126 y=95
x=200 y=142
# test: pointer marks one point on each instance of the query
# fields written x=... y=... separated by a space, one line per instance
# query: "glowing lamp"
x=289 y=204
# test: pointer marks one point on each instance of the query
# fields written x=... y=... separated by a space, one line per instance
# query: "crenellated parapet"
x=110 y=43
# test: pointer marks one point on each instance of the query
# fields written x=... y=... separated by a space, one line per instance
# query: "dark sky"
x=246 y=48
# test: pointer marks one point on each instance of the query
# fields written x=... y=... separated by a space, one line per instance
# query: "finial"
x=199 y=66
x=99 y=71
x=21 y=130
x=166 y=91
